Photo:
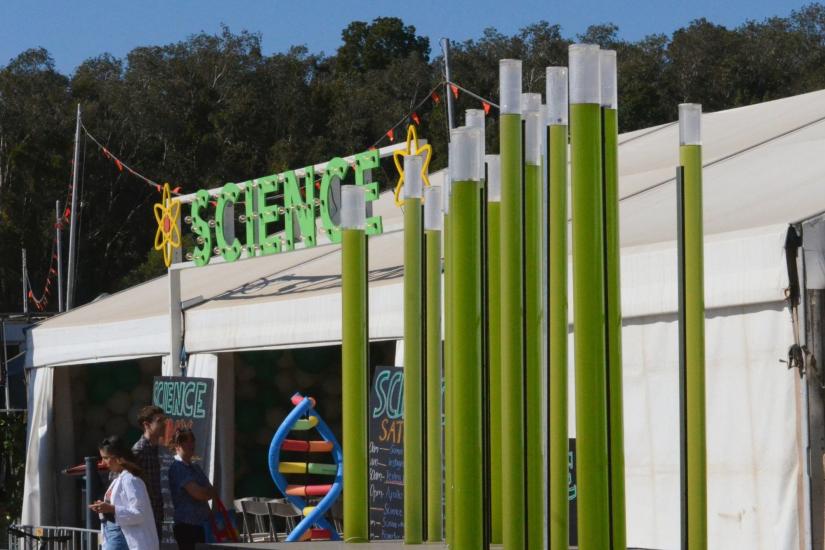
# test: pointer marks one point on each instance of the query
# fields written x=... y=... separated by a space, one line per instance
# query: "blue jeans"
x=114 y=537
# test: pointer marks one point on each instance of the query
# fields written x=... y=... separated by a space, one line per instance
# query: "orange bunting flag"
x=176 y=190
x=486 y=107
x=106 y=153
x=415 y=118
x=119 y=165
x=157 y=188
x=454 y=88
x=53 y=271
x=391 y=134
x=31 y=295
x=436 y=98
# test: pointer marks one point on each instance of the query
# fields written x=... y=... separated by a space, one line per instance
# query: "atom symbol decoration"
x=412 y=148
x=167 y=213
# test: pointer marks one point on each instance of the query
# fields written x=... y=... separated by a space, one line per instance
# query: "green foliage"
x=213 y=108
x=12 y=466
x=371 y=47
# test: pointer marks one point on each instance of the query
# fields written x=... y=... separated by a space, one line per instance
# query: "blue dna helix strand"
x=302 y=418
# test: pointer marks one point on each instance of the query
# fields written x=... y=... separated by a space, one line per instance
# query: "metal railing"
x=29 y=537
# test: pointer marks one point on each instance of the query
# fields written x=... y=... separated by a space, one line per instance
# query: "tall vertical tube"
x=433 y=225
x=690 y=156
x=588 y=298
x=72 y=269
x=413 y=348
x=613 y=301
x=468 y=528
x=557 y=314
x=494 y=341
x=449 y=341
x=354 y=362
x=534 y=317
x=58 y=245
x=512 y=309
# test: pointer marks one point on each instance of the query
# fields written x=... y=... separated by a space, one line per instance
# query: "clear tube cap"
x=509 y=74
x=610 y=95
x=533 y=127
x=353 y=207
x=464 y=154
x=474 y=118
x=493 y=177
x=557 y=95
x=412 y=176
x=433 y=218
x=530 y=103
x=585 y=74
x=690 y=124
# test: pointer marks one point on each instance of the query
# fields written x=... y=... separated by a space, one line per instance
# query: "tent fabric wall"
x=752 y=441
x=39 y=482
x=49 y=497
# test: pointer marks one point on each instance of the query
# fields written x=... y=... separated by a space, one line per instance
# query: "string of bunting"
x=121 y=166
x=40 y=302
x=433 y=96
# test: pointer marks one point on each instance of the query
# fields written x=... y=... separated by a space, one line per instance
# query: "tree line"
x=213 y=108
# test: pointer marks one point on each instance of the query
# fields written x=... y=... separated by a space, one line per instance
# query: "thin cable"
x=409 y=114
x=128 y=168
x=472 y=94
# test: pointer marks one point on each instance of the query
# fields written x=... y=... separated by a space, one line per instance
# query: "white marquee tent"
x=764 y=170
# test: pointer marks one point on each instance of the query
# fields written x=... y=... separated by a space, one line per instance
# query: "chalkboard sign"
x=187 y=403
x=572 y=493
x=386 y=454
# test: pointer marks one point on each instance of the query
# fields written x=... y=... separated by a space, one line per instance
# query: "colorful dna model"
x=302 y=418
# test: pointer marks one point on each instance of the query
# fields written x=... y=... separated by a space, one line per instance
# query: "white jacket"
x=133 y=512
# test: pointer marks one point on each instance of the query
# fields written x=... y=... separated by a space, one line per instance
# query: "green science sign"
x=270 y=201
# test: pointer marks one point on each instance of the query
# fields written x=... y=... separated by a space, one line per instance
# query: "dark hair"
x=182 y=435
x=147 y=413
x=116 y=447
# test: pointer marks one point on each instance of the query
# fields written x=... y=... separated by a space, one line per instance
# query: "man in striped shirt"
x=153 y=421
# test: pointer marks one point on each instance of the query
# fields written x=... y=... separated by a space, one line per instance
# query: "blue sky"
x=74 y=30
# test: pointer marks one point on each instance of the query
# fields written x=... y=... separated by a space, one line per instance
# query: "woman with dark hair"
x=191 y=492
x=126 y=515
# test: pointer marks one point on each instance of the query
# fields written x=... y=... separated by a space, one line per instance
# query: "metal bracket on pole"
x=175 y=328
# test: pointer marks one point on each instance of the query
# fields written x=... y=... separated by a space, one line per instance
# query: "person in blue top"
x=191 y=492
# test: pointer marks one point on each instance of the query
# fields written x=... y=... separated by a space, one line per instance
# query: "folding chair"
x=281 y=508
x=337 y=513
x=256 y=513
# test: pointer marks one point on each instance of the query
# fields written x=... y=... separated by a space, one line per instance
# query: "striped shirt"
x=146 y=456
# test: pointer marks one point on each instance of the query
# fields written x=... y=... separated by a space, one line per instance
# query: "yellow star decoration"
x=411 y=149
x=167 y=213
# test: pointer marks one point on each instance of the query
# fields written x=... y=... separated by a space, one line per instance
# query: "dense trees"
x=214 y=108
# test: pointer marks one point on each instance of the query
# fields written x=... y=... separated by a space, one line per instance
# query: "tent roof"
x=762 y=165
